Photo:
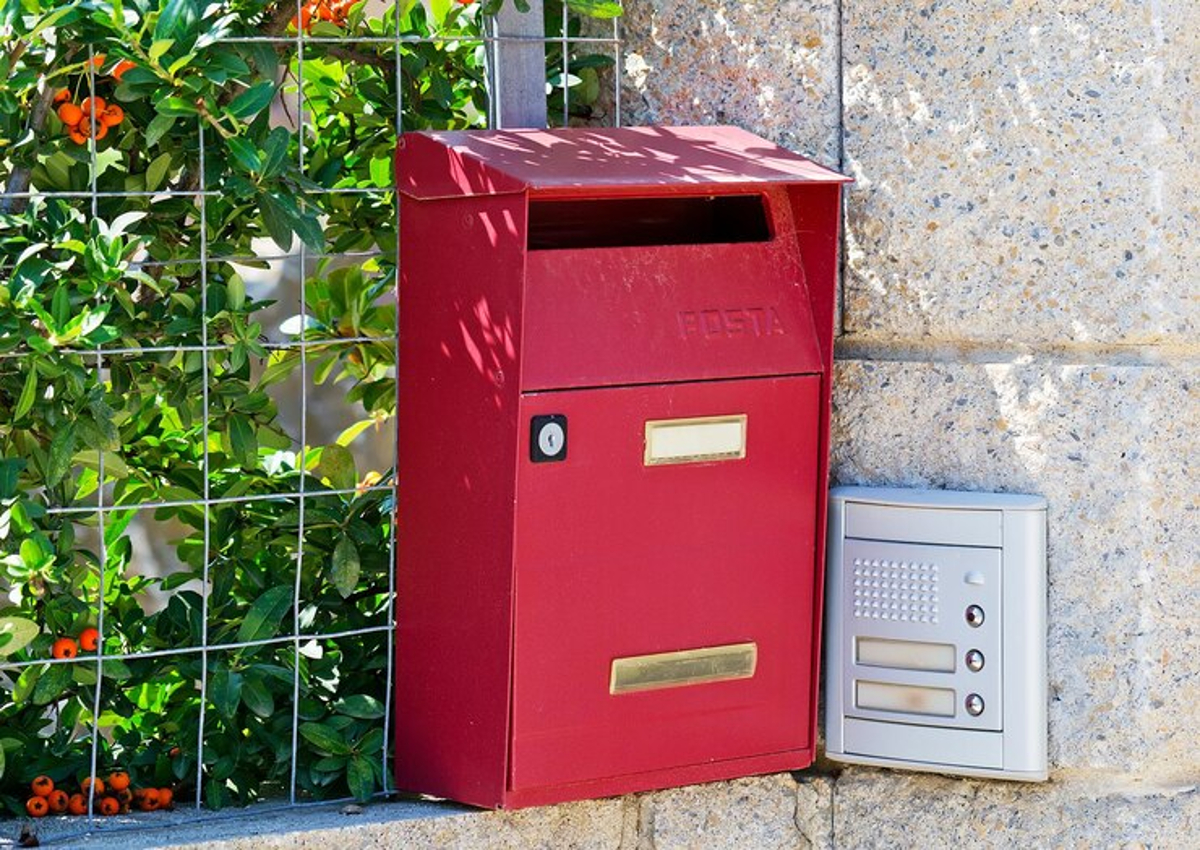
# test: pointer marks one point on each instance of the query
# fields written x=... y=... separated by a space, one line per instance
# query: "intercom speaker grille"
x=904 y=591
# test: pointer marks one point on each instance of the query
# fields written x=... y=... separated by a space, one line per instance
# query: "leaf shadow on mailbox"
x=643 y=611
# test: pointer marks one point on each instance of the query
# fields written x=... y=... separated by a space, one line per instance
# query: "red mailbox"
x=615 y=355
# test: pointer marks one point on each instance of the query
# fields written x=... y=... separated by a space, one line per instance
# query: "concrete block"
x=768 y=66
x=1113 y=450
x=1025 y=171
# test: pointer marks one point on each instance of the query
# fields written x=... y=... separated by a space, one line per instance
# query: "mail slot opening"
x=638 y=222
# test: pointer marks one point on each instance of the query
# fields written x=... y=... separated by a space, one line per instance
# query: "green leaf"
x=225 y=691
x=242 y=440
x=349 y=434
x=381 y=172
x=156 y=172
x=51 y=684
x=34 y=554
x=257 y=698
x=116 y=670
x=360 y=776
x=360 y=706
x=277 y=221
x=58 y=167
x=28 y=394
x=10 y=476
x=155 y=130
x=262 y=620
x=16 y=633
x=175 y=107
x=252 y=101
x=216 y=796
x=62 y=449
x=175 y=20
x=160 y=47
x=346 y=567
x=275 y=149
x=235 y=292
x=310 y=231
x=26 y=682
x=604 y=9
x=245 y=154
x=337 y=467
x=325 y=739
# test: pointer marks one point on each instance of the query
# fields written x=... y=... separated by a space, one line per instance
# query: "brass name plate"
x=685 y=667
x=695 y=440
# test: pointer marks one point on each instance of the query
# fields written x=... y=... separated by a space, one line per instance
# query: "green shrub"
x=120 y=249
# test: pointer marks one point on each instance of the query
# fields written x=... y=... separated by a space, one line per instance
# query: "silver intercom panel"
x=936 y=631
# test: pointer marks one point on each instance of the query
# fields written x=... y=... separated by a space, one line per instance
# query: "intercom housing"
x=936 y=631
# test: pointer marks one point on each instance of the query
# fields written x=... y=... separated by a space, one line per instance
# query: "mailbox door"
x=619 y=557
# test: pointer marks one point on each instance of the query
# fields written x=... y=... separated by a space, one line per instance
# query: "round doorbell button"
x=548 y=438
x=974 y=616
x=974 y=660
x=974 y=705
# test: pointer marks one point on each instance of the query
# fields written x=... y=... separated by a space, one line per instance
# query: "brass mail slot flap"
x=695 y=440
x=685 y=667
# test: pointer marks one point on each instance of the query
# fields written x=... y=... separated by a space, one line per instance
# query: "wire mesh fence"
x=175 y=400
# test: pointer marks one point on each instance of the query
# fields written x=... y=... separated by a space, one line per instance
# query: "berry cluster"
x=79 y=119
x=117 y=797
x=89 y=638
x=333 y=11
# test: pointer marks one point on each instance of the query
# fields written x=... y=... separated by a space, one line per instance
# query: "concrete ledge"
x=858 y=807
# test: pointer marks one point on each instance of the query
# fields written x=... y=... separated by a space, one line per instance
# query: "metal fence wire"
x=496 y=43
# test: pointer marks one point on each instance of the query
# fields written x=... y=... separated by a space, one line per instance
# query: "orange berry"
x=112 y=116
x=166 y=798
x=64 y=647
x=77 y=804
x=120 y=68
x=118 y=780
x=109 y=806
x=70 y=114
x=58 y=801
x=93 y=104
x=98 y=60
x=77 y=137
x=87 y=783
x=101 y=131
x=89 y=639
x=62 y=95
x=42 y=786
x=37 y=807
x=149 y=799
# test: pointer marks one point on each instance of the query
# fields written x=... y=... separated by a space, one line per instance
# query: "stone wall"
x=1021 y=312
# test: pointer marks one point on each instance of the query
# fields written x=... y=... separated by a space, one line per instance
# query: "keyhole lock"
x=548 y=438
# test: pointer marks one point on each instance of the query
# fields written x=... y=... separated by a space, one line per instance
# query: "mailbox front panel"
x=664 y=577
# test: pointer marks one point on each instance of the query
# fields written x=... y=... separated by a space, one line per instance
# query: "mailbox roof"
x=579 y=160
